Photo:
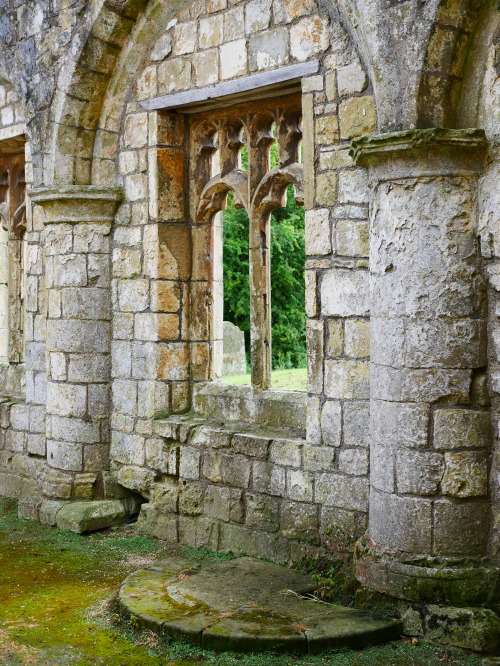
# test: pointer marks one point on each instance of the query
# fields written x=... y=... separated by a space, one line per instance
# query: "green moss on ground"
x=57 y=608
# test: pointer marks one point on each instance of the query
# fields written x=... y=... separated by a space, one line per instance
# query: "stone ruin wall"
x=112 y=357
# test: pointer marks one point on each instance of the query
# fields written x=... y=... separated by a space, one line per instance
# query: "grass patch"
x=283 y=380
x=58 y=592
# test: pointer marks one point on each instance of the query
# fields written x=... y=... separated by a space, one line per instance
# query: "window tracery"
x=219 y=141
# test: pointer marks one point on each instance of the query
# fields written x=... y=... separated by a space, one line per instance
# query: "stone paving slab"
x=245 y=605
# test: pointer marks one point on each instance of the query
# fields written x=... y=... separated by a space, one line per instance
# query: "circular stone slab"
x=244 y=605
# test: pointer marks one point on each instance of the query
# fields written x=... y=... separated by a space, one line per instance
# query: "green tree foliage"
x=287 y=278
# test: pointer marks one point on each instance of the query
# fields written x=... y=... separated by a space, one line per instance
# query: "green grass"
x=284 y=380
x=58 y=592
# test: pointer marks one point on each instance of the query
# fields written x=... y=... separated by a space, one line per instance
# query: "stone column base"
x=459 y=582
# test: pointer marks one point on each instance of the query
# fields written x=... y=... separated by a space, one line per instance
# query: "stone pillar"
x=77 y=273
x=430 y=420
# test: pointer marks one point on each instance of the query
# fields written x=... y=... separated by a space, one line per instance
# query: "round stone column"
x=78 y=337
x=430 y=421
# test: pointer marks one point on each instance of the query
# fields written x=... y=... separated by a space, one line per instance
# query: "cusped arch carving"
x=271 y=192
x=213 y=196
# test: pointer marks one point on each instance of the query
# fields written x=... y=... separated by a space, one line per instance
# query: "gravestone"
x=234 y=359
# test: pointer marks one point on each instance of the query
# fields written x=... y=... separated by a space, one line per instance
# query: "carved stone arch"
x=94 y=82
x=271 y=192
x=447 y=53
x=213 y=196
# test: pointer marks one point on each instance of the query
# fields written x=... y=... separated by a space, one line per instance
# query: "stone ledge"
x=81 y=517
x=244 y=605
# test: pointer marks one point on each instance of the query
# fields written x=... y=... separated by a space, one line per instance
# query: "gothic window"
x=12 y=257
x=230 y=155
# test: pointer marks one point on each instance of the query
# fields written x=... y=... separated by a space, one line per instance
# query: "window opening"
x=258 y=157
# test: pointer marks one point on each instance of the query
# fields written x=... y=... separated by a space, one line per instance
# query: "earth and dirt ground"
x=58 y=606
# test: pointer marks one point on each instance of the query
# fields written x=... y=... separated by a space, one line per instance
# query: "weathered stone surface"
x=345 y=293
x=82 y=517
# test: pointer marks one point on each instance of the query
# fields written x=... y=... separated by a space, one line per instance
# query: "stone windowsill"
x=275 y=409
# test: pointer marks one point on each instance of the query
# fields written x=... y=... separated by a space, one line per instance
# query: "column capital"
x=77 y=203
x=421 y=152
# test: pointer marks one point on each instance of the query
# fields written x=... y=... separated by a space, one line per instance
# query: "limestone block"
x=55 y=484
x=251 y=444
x=311 y=294
x=167 y=251
x=353 y=461
x=345 y=293
x=351 y=79
x=357 y=338
x=352 y=238
x=235 y=471
x=340 y=527
x=300 y=522
x=98 y=270
x=66 y=399
x=121 y=358
x=89 y=368
x=401 y=523
x=146 y=86
x=400 y=425
x=314 y=338
x=258 y=15
x=191 y=499
x=234 y=24
x=353 y=186
x=392 y=332
x=77 y=336
x=37 y=419
x=95 y=459
x=189 y=463
x=88 y=303
x=174 y=75
x=233 y=59
x=382 y=465
x=335 y=157
x=184 y=39
x=309 y=37
x=347 y=380
x=313 y=83
x=127 y=449
x=124 y=396
x=165 y=296
x=470 y=628
x=420 y=385
x=135 y=134
x=133 y=295
x=98 y=400
x=211 y=32
x=299 y=485
x=65 y=455
x=343 y=491
x=331 y=423
x=92 y=237
x=327 y=130
x=19 y=417
x=460 y=529
x=318 y=458
x=223 y=503
x=72 y=430
x=83 y=517
x=461 y=428
x=326 y=189
x=206 y=67
x=136 y=478
x=268 y=49
x=136 y=187
x=285 y=452
x=357 y=117
x=268 y=478
x=335 y=339
x=162 y=48
x=437 y=343
x=356 y=423
x=174 y=361
x=126 y=263
x=262 y=512
x=14 y=440
x=68 y=270
x=286 y=11
x=466 y=474
x=419 y=472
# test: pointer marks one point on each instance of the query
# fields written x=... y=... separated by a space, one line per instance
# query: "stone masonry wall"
x=205 y=44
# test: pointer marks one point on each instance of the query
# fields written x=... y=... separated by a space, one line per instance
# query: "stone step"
x=245 y=605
